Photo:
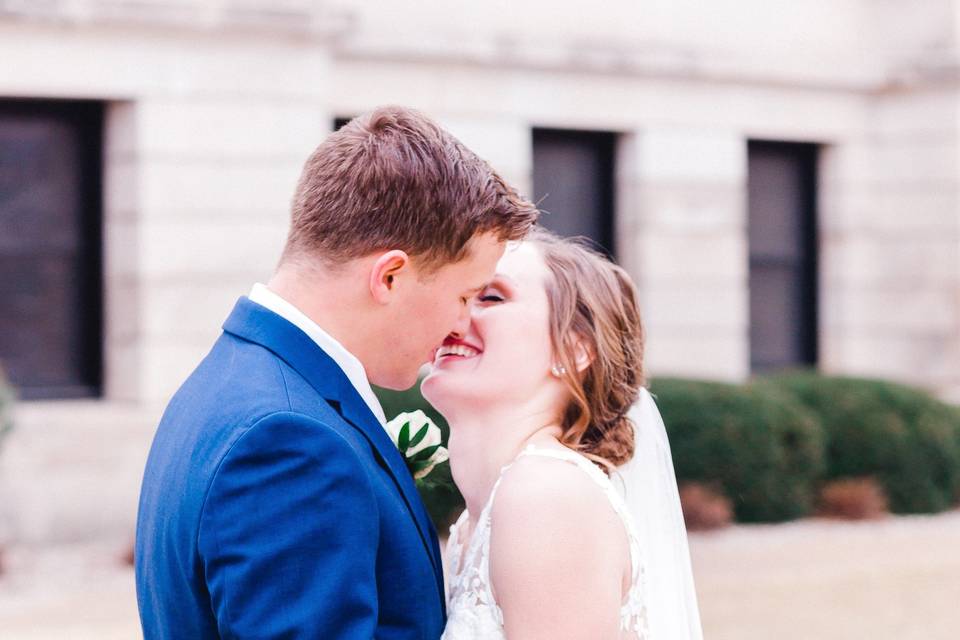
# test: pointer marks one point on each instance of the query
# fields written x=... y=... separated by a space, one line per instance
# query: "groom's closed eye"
x=472 y=294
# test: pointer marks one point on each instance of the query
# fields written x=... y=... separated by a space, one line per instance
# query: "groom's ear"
x=384 y=273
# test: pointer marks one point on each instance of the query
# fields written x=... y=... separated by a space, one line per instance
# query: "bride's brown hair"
x=594 y=314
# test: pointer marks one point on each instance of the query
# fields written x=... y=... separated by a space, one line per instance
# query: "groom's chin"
x=402 y=380
x=397 y=384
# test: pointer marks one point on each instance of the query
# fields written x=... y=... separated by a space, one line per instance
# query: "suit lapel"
x=356 y=412
x=257 y=324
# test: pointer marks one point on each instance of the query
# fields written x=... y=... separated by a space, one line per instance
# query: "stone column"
x=890 y=243
x=200 y=175
x=682 y=235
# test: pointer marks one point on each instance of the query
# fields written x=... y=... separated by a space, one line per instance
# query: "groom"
x=274 y=504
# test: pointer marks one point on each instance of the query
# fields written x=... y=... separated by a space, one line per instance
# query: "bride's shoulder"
x=549 y=492
x=544 y=509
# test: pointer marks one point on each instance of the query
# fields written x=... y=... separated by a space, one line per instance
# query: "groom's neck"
x=332 y=300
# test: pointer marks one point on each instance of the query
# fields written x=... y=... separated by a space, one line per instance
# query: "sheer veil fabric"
x=649 y=487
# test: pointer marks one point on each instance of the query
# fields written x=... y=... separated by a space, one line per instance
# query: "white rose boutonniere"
x=418 y=439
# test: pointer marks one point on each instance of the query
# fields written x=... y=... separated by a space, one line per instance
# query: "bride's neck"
x=481 y=443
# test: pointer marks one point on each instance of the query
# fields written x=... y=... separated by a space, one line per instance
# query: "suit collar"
x=348 y=363
x=259 y=325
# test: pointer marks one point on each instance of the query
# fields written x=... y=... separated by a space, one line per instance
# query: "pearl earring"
x=558 y=370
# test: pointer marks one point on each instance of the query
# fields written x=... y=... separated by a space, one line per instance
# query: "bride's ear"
x=385 y=273
x=582 y=354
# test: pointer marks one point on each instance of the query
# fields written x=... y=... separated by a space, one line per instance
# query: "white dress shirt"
x=348 y=362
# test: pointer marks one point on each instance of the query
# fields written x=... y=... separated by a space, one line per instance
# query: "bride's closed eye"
x=490 y=295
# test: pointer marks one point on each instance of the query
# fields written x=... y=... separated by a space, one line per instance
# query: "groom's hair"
x=394 y=179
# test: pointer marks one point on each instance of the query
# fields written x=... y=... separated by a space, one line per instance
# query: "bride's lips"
x=454 y=349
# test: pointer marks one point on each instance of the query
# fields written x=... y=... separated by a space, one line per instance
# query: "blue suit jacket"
x=274 y=504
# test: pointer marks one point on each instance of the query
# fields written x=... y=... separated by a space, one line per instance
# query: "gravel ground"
x=68 y=592
x=893 y=579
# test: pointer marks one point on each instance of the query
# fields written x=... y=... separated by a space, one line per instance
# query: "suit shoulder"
x=293 y=451
x=294 y=432
x=235 y=381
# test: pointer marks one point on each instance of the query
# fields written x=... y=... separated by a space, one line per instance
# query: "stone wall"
x=892 y=244
x=205 y=138
x=212 y=107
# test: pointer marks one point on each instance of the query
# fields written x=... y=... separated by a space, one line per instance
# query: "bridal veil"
x=649 y=486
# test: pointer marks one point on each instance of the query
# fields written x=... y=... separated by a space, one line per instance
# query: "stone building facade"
x=781 y=178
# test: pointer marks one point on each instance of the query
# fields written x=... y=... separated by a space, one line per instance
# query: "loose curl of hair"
x=594 y=311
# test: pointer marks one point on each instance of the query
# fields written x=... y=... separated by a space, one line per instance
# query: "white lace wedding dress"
x=473 y=613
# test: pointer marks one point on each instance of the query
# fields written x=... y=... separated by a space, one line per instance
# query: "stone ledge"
x=296 y=17
x=71 y=470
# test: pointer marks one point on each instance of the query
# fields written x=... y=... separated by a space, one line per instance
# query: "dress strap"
x=573 y=457
x=455 y=549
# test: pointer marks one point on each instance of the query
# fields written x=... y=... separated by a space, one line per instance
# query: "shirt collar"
x=348 y=362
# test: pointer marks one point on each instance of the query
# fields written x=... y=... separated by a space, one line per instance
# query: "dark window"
x=783 y=255
x=573 y=183
x=50 y=230
x=339 y=122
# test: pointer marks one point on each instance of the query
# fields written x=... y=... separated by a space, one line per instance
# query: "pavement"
x=897 y=578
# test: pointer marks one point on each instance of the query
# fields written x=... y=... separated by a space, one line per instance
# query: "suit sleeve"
x=288 y=535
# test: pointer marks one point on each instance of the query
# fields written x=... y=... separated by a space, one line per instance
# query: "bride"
x=572 y=527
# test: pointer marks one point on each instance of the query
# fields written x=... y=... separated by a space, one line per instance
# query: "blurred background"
x=781 y=178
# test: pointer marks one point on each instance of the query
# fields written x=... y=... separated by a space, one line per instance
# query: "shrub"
x=852 y=499
x=704 y=508
x=905 y=438
x=441 y=497
x=758 y=445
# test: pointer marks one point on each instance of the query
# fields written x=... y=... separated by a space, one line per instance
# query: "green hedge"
x=770 y=444
x=440 y=495
x=905 y=438
x=760 y=447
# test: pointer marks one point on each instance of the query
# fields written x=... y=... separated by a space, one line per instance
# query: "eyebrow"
x=497 y=276
x=505 y=278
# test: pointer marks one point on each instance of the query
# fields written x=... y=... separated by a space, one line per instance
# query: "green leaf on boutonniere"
x=424 y=454
x=403 y=441
x=420 y=435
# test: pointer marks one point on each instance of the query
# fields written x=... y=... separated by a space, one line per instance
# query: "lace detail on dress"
x=473 y=612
